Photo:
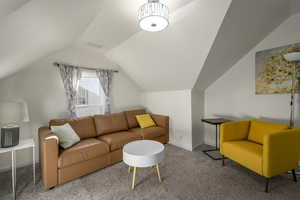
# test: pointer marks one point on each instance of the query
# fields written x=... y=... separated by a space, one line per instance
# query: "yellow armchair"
x=265 y=148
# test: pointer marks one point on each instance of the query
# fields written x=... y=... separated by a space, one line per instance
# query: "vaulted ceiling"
x=33 y=29
x=245 y=25
x=172 y=59
x=204 y=38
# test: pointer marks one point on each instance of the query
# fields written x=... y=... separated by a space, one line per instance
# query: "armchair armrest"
x=281 y=152
x=237 y=130
x=48 y=157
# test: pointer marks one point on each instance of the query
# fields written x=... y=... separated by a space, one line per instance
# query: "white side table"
x=143 y=153
x=23 y=144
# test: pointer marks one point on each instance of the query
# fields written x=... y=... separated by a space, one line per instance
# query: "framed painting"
x=273 y=73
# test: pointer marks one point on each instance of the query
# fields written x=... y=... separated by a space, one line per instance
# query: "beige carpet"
x=187 y=176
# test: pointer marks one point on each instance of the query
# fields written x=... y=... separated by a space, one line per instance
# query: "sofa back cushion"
x=260 y=128
x=131 y=117
x=110 y=123
x=84 y=126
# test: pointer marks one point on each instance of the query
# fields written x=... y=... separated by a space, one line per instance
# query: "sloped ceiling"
x=245 y=25
x=117 y=21
x=172 y=59
x=9 y=6
x=198 y=47
x=294 y=6
x=38 y=28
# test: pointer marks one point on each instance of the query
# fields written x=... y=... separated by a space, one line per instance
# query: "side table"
x=141 y=154
x=217 y=122
x=23 y=144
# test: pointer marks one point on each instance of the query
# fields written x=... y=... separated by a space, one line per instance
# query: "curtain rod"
x=88 y=68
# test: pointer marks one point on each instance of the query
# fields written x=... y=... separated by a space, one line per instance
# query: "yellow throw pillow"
x=145 y=121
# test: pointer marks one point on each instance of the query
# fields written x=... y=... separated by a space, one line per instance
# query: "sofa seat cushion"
x=118 y=140
x=131 y=117
x=260 y=128
x=110 y=123
x=149 y=133
x=247 y=153
x=85 y=150
x=83 y=126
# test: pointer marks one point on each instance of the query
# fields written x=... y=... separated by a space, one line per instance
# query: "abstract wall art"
x=273 y=73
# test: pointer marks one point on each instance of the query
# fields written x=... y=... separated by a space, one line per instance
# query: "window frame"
x=101 y=103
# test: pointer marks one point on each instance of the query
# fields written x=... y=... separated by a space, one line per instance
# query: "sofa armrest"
x=281 y=152
x=237 y=130
x=161 y=120
x=48 y=157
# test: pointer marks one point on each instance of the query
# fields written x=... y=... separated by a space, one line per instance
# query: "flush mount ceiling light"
x=153 y=16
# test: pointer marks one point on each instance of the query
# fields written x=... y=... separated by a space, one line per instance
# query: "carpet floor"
x=186 y=176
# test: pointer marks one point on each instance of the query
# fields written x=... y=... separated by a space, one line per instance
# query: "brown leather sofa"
x=101 y=140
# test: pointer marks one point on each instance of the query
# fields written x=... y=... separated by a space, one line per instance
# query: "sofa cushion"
x=84 y=126
x=259 y=128
x=248 y=154
x=131 y=117
x=110 y=123
x=118 y=140
x=145 y=121
x=149 y=133
x=66 y=135
x=85 y=150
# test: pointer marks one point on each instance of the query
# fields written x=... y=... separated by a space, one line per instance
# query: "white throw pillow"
x=66 y=135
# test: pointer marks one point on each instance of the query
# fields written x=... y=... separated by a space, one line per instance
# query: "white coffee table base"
x=142 y=154
x=134 y=174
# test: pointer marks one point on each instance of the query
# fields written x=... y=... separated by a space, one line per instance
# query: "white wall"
x=233 y=94
x=197 y=115
x=177 y=105
x=41 y=87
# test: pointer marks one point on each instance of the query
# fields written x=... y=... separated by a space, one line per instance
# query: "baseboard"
x=20 y=165
x=182 y=146
x=210 y=142
x=197 y=145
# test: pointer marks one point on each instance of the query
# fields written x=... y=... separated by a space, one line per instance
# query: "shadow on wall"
x=117 y=110
x=209 y=130
x=267 y=119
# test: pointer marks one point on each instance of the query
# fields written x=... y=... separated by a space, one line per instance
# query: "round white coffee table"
x=143 y=153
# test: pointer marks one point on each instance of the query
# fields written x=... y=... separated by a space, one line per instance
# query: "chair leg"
x=267 y=185
x=294 y=175
x=223 y=160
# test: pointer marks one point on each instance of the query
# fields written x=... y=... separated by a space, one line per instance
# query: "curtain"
x=70 y=76
x=105 y=79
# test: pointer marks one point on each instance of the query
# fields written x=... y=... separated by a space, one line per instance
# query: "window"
x=83 y=96
x=90 y=96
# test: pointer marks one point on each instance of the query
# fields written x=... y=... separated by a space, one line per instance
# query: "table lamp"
x=11 y=115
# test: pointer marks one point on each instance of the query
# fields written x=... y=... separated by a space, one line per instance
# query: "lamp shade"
x=292 y=57
x=13 y=112
x=153 y=16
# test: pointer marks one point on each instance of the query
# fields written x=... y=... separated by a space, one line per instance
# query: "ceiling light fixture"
x=153 y=16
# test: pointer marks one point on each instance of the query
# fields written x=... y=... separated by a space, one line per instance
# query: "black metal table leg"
x=216 y=136
x=217 y=122
x=216 y=147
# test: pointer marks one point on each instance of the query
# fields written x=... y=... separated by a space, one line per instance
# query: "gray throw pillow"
x=66 y=135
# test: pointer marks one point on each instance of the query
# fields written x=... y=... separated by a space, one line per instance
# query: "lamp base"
x=10 y=137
